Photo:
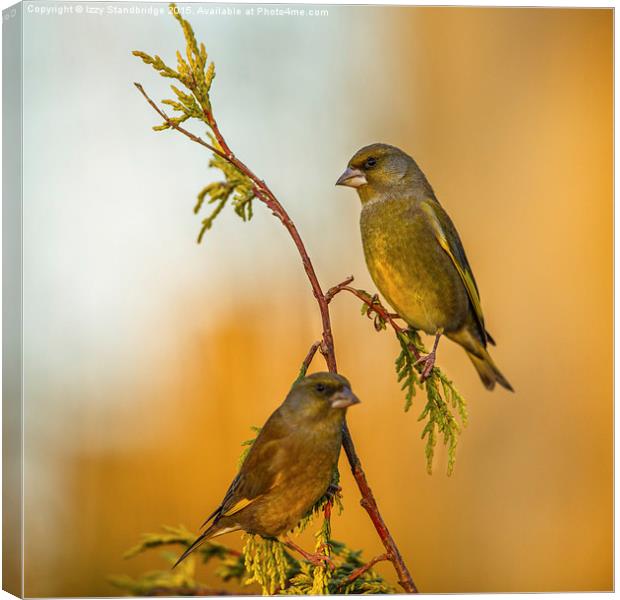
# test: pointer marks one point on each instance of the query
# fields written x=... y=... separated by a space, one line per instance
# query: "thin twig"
x=332 y=291
x=361 y=570
x=375 y=306
x=306 y=364
x=369 y=503
x=176 y=126
x=266 y=196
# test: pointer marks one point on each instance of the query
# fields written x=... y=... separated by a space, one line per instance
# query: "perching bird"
x=415 y=256
x=290 y=465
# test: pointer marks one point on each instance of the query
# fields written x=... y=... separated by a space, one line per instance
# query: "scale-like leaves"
x=441 y=395
x=196 y=75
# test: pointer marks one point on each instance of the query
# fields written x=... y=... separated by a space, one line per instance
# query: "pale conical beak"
x=344 y=399
x=352 y=178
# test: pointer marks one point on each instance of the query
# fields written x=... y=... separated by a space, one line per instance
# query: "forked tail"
x=488 y=372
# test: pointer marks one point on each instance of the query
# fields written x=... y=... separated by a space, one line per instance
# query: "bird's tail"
x=200 y=540
x=213 y=531
x=487 y=370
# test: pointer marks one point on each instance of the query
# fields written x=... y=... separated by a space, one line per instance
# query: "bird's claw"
x=334 y=491
x=316 y=558
x=428 y=361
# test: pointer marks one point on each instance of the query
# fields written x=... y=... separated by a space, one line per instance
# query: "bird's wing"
x=449 y=240
x=261 y=469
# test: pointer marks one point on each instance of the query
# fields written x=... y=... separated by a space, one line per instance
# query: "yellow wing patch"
x=244 y=502
x=464 y=273
x=240 y=505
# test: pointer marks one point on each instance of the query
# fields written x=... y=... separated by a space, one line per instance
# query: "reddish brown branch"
x=371 y=301
x=306 y=364
x=171 y=123
x=265 y=195
x=370 y=505
x=332 y=291
x=361 y=570
x=374 y=306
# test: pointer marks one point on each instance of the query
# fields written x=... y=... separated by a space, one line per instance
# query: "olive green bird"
x=415 y=256
x=290 y=465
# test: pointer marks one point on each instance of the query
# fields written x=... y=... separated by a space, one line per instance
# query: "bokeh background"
x=149 y=357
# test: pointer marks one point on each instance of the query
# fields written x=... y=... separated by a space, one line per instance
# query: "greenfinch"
x=290 y=465
x=415 y=256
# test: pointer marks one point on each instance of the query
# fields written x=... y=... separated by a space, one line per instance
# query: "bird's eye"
x=320 y=388
x=370 y=163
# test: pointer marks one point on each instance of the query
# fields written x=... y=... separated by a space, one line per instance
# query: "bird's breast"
x=409 y=267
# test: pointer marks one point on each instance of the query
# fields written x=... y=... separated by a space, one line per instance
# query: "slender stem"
x=267 y=196
x=369 y=503
x=369 y=565
x=176 y=126
x=306 y=364
x=264 y=194
x=374 y=305
x=332 y=291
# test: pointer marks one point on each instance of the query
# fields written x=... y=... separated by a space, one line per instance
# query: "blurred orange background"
x=134 y=414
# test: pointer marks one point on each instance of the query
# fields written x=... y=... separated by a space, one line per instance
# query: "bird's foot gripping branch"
x=269 y=563
x=278 y=567
x=443 y=401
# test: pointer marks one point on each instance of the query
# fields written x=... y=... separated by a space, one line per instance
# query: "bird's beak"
x=352 y=178
x=344 y=398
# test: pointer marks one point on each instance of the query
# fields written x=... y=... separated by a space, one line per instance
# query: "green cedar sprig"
x=266 y=563
x=182 y=579
x=195 y=74
x=300 y=579
x=441 y=395
x=346 y=561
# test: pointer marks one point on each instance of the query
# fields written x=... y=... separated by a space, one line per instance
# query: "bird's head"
x=320 y=395
x=380 y=168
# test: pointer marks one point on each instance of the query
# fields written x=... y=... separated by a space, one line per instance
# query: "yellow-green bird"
x=290 y=465
x=415 y=256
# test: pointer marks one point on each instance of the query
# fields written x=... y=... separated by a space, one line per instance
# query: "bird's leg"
x=429 y=359
x=315 y=558
x=333 y=491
